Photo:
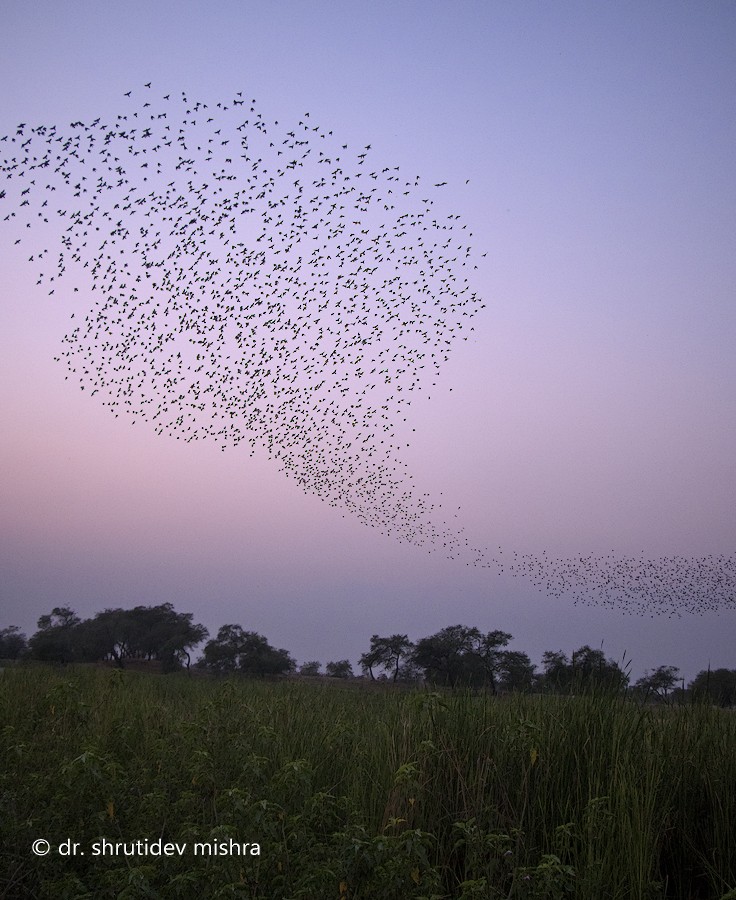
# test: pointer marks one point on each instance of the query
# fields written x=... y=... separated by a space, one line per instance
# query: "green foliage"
x=144 y=632
x=312 y=667
x=717 y=685
x=360 y=794
x=515 y=671
x=586 y=669
x=246 y=652
x=461 y=656
x=56 y=638
x=657 y=683
x=13 y=643
x=549 y=879
x=339 y=669
x=387 y=653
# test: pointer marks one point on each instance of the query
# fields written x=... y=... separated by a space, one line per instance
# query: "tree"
x=57 y=637
x=340 y=669
x=557 y=670
x=409 y=671
x=591 y=667
x=718 y=685
x=458 y=655
x=60 y=617
x=310 y=668
x=488 y=649
x=236 y=650
x=386 y=653
x=13 y=643
x=585 y=669
x=222 y=654
x=144 y=632
x=658 y=682
x=110 y=634
x=166 y=635
x=515 y=671
x=442 y=655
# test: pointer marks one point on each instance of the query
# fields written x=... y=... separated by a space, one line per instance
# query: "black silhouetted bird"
x=253 y=284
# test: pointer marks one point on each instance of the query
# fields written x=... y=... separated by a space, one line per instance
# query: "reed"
x=361 y=793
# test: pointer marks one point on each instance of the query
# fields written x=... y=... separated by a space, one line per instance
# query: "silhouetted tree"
x=658 y=682
x=340 y=669
x=458 y=655
x=312 y=667
x=442 y=656
x=515 y=671
x=587 y=668
x=166 y=635
x=719 y=685
x=409 y=671
x=386 y=653
x=247 y=652
x=57 y=637
x=13 y=643
x=492 y=657
x=110 y=634
x=144 y=632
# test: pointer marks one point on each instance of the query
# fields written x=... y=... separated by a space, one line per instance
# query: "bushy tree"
x=110 y=634
x=57 y=637
x=13 y=643
x=386 y=653
x=166 y=635
x=587 y=668
x=340 y=669
x=658 y=683
x=493 y=658
x=515 y=671
x=144 y=632
x=458 y=655
x=409 y=671
x=442 y=656
x=247 y=652
x=718 y=685
x=313 y=667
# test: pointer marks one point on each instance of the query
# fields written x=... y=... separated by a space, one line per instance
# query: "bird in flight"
x=254 y=284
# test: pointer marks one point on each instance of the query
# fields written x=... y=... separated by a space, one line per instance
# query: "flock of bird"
x=250 y=282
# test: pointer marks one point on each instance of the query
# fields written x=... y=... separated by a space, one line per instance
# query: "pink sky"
x=592 y=411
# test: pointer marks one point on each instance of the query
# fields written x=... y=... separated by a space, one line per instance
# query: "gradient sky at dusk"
x=592 y=409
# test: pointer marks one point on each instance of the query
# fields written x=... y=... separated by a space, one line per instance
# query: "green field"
x=356 y=792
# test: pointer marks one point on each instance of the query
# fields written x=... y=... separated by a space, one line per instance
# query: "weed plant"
x=359 y=794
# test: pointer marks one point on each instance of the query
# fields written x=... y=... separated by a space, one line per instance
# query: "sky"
x=589 y=150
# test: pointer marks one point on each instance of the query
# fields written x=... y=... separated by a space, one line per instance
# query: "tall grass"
x=359 y=793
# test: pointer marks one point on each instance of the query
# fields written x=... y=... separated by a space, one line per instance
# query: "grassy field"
x=343 y=794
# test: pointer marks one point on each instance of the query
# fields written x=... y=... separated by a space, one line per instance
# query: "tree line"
x=150 y=633
x=454 y=657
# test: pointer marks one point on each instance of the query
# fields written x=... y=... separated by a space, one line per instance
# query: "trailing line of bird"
x=260 y=284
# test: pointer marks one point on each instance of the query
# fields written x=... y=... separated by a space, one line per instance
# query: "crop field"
x=182 y=787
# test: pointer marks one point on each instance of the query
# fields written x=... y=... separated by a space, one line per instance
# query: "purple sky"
x=592 y=410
